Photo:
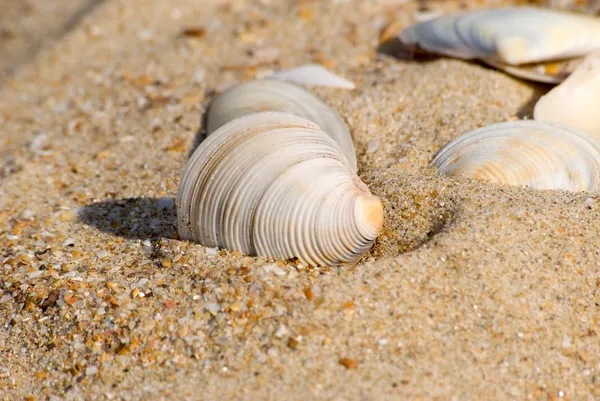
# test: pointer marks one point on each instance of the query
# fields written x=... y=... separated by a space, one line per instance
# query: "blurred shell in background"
x=525 y=153
x=532 y=43
x=575 y=102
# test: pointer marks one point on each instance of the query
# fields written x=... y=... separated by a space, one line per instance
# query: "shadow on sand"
x=133 y=218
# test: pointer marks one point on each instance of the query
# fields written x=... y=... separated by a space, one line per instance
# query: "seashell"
x=273 y=95
x=276 y=185
x=552 y=72
x=525 y=153
x=576 y=101
x=313 y=75
x=515 y=39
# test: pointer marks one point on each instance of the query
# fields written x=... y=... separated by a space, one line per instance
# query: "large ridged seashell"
x=576 y=101
x=275 y=185
x=525 y=153
x=514 y=39
x=274 y=95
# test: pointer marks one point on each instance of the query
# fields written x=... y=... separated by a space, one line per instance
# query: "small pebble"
x=35 y=274
x=348 y=363
x=27 y=214
x=273 y=268
x=199 y=76
x=91 y=370
x=165 y=203
x=212 y=251
x=373 y=146
x=5 y=298
x=212 y=308
x=102 y=254
x=265 y=55
x=281 y=331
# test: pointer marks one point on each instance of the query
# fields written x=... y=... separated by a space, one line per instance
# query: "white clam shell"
x=276 y=185
x=508 y=37
x=575 y=102
x=273 y=95
x=525 y=153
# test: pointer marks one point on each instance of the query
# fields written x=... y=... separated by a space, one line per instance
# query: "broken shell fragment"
x=525 y=153
x=515 y=39
x=273 y=95
x=276 y=185
x=576 y=101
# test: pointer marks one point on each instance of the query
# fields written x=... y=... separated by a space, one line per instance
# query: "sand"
x=473 y=291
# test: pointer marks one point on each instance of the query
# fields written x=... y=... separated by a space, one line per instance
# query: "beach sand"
x=473 y=291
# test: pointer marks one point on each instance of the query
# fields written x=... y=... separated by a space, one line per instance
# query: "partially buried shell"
x=519 y=40
x=276 y=185
x=274 y=95
x=525 y=153
x=576 y=101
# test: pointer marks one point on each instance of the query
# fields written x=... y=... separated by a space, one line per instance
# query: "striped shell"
x=276 y=185
x=274 y=95
x=514 y=39
x=525 y=153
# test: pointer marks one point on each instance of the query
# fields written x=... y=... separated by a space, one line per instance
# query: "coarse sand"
x=473 y=291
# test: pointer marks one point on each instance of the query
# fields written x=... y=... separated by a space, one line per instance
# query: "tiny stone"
x=35 y=274
x=102 y=254
x=68 y=242
x=348 y=363
x=147 y=243
x=212 y=308
x=281 y=331
x=91 y=370
x=589 y=202
x=373 y=146
x=268 y=268
x=27 y=214
x=212 y=251
x=199 y=76
x=275 y=269
x=12 y=237
x=265 y=55
x=5 y=298
x=165 y=203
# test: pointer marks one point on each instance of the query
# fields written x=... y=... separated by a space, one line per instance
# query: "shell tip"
x=371 y=211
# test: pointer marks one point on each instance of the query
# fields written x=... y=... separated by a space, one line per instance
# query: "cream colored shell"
x=575 y=102
x=276 y=185
x=274 y=95
x=510 y=38
x=525 y=153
